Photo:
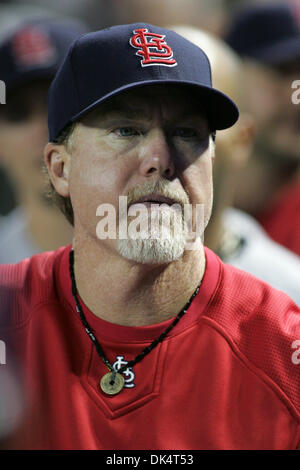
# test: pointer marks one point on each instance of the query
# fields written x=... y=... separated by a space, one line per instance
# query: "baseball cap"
x=35 y=49
x=104 y=63
x=268 y=33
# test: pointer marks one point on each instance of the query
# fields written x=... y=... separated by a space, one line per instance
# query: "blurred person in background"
x=11 y=15
x=201 y=13
x=96 y=13
x=233 y=234
x=267 y=37
x=30 y=57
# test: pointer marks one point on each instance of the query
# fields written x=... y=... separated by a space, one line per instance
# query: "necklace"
x=113 y=382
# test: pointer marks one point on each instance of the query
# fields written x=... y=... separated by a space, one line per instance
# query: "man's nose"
x=156 y=155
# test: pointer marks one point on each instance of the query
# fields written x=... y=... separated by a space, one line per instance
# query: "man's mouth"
x=155 y=199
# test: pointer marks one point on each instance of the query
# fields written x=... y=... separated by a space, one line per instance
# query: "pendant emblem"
x=128 y=373
x=112 y=385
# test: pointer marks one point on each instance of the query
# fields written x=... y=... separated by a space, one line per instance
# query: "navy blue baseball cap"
x=104 y=63
x=35 y=48
x=268 y=33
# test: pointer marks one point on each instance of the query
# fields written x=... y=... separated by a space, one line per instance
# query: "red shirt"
x=226 y=377
x=281 y=219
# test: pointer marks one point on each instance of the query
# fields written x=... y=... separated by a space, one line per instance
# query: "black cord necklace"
x=113 y=381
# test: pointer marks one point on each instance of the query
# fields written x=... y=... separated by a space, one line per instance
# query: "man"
x=134 y=341
x=30 y=55
x=267 y=37
x=233 y=234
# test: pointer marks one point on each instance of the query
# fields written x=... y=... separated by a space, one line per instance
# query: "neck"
x=133 y=294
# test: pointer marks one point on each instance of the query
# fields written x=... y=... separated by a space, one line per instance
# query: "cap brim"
x=28 y=77
x=278 y=53
x=221 y=110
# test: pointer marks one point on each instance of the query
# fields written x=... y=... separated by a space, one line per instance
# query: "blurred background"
x=257 y=165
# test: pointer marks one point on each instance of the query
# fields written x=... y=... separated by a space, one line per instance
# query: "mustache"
x=162 y=188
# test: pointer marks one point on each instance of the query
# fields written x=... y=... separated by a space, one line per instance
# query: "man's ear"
x=58 y=160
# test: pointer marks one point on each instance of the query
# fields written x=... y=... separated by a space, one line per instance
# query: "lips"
x=155 y=199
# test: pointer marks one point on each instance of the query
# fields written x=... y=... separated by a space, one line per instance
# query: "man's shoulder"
x=240 y=291
x=262 y=326
x=26 y=284
x=239 y=295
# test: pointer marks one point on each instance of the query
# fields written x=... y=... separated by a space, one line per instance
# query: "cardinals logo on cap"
x=152 y=48
x=32 y=47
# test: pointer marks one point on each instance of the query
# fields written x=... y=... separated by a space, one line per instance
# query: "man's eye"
x=127 y=131
x=185 y=132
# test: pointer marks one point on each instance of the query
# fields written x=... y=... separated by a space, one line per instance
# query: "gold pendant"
x=110 y=387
